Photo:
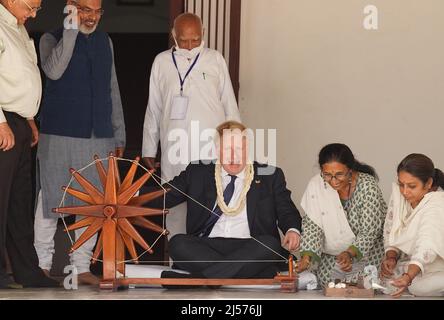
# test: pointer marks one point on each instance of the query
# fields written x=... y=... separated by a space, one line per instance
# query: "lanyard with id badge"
x=180 y=102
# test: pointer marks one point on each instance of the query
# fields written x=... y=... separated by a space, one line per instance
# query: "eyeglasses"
x=31 y=9
x=340 y=176
x=89 y=11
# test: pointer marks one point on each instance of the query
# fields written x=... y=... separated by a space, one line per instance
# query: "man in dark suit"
x=233 y=214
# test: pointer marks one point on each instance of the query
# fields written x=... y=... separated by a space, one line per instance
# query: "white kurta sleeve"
x=226 y=91
x=424 y=249
x=2 y=116
x=153 y=115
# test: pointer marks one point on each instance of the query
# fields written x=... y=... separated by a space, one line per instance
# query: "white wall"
x=310 y=69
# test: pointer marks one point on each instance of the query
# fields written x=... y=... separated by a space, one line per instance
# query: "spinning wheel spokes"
x=111 y=184
x=79 y=195
x=144 y=223
x=147 y=197
x=101 y=171
x=113 y=212
x=88 y=233
x=130 y=175
x=80 y=224
x=126 y=226
x=129 y=242
x=92 y=191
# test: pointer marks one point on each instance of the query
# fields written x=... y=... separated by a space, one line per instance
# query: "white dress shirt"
x=232 y=226
x=20 y=82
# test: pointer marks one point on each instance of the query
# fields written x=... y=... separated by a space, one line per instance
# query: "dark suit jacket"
x=269 y=204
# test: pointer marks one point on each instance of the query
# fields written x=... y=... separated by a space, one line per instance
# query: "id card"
x=179 y=107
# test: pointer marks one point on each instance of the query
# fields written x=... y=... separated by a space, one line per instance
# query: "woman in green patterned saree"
x=344 y=217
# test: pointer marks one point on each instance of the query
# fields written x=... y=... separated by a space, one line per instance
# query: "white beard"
x=85 y=30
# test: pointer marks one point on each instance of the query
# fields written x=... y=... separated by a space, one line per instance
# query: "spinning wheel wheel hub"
x=109 y=211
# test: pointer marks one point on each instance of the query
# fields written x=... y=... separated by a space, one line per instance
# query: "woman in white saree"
x=414 y=229
x=344 y=214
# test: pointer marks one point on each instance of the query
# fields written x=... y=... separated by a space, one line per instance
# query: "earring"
x=325 y=184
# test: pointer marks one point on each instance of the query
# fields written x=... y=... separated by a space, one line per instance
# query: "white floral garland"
x=249 y=175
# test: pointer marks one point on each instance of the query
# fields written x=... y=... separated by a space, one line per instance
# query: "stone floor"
x=92 y=293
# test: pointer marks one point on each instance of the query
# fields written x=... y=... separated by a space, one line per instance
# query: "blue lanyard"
x=182 y=81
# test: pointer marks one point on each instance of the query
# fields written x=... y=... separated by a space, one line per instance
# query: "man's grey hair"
x=187 y=16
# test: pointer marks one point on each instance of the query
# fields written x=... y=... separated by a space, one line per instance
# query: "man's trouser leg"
x=226 y=258
x=16 y=213
x=44 y=232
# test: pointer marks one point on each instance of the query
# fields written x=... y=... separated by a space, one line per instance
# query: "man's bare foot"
x=87 y=278
x=47 y=273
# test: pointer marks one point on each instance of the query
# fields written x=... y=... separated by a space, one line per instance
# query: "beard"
x=83 y=28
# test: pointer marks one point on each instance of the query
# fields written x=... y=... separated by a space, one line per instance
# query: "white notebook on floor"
x=144 y=271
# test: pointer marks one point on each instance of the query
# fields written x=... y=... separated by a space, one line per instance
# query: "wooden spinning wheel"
x=113 y=212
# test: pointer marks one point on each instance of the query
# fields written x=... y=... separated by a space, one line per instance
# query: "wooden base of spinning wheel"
x=288 y=283
x=114 y=211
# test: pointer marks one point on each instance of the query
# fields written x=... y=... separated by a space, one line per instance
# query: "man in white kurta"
x=201 y=98
x=20 y=93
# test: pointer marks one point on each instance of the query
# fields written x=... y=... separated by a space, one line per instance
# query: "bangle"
x=394 y=258
x=410 y=278
x=349 y=255
x=303 y=261
x=391 y=256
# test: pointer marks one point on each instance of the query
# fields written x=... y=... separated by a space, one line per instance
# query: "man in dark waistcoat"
x=81 y=116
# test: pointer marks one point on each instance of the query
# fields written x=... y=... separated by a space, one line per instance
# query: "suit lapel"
x=253 y=198
x=210 y=189
x=210 y=196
